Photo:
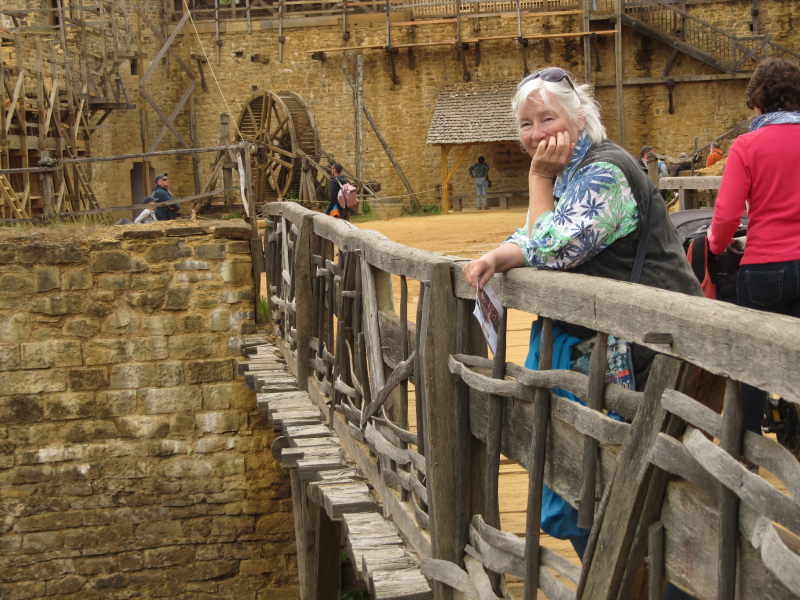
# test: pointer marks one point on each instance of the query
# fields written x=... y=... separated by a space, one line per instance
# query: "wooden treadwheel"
x=282 y=128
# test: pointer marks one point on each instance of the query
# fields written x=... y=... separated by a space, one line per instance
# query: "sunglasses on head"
x=551 y=75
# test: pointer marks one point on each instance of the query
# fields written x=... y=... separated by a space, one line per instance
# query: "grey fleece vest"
x=665 y=264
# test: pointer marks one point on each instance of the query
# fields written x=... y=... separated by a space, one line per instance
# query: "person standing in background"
x=335 y=209
x=480 y=173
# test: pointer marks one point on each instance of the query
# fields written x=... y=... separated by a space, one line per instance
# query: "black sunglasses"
x=551 y=75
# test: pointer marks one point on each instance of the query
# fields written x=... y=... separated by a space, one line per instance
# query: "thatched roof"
x=475 y=112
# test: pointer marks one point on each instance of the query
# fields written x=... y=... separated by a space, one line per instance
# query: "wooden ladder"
x=9 y=200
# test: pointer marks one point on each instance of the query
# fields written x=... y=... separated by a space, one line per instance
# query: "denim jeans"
x=772 y=287
x=481 y=189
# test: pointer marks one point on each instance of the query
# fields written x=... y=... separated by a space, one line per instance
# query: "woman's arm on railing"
x=499 y=260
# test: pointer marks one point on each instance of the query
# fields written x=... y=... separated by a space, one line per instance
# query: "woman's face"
x=538 y=121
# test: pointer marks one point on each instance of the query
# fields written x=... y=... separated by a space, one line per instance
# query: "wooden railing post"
x=304 y=295
x=227 y=163
x=731 y=441
x=615 y=527
x=47 y=182
x=444 y=434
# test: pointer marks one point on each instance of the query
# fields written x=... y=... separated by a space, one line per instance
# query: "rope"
x=211 y=69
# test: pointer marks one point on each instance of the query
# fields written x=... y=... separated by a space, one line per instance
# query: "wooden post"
x=358 y=100
x=598 y=365
x=447 y=172
x=391 y=157
x=492 y=516
x=442 y=458
x=193 y=140
x=587 y=42
x=467 y=342
x=47 y=181
x=756 y=12
x=493 y=439
x=652 y=168
x=618 y=73
x=303 y=295
x=227 y=163
x=731 y=441
x=541 y=421
x=253 y=224
x=300 y=532
x=444 y=192
x=655 y=560
x=615 y=527
x=325 y=570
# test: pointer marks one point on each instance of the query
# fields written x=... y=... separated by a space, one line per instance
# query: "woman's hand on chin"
x=552 y=155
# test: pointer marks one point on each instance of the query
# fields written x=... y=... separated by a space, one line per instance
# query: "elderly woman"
x=762 y=172
x=592 y=210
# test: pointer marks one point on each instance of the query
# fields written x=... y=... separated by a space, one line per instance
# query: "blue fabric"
x=559 y=518
x=779 y=117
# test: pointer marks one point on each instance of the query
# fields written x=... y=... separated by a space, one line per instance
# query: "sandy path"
x=466 y=234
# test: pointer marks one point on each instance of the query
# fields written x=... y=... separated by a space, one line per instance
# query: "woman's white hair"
x=578 y=104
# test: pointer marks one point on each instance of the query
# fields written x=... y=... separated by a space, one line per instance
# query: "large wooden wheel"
x=282 y=128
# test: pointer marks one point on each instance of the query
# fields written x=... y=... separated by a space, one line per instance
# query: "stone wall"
x=701 y=109
x=132 y=460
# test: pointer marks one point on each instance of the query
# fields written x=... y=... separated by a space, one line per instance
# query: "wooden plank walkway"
x=380 y=558
x=313 y=452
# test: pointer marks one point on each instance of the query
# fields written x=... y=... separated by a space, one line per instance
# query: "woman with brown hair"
x=761 y=173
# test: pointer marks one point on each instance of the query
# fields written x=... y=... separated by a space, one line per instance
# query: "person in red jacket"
x=761 y=173
x=715 y=155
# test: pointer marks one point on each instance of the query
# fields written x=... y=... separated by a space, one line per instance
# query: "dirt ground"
x=466 y=234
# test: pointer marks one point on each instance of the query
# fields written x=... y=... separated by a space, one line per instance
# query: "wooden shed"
x=466 y=114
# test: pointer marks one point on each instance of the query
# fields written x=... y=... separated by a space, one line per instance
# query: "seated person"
x=148 y=215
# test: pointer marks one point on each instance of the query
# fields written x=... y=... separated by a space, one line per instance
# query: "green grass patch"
x=262 y=310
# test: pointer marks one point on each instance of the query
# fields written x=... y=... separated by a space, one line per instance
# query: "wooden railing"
x=425 y=416
x=249 y=9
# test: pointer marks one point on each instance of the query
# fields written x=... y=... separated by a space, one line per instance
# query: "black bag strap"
x=641 y=189
x=641 y=248
x=698 y=245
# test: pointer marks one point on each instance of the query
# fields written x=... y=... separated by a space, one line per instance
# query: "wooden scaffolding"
x=59 y=80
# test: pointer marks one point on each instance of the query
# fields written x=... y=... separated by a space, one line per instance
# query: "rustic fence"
x=425 y=416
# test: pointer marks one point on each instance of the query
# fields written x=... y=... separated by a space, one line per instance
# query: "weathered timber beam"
x=540 y=36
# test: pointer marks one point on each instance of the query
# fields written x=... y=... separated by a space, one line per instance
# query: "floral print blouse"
x=594 y=207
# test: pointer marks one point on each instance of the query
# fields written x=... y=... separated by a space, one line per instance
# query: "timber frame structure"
x=61 y=65
x=424 y=417
x=59 y=80
x=669 y=22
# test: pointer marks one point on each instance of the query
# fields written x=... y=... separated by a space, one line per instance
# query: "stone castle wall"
x=132 y=460
x=701 y=110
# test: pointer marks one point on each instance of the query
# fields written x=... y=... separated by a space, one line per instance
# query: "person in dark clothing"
x=162 y=194
x=337 y=181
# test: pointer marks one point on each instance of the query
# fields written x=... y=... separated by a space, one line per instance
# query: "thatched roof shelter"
x=470 y=113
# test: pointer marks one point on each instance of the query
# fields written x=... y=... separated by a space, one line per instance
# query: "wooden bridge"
x=395 y=423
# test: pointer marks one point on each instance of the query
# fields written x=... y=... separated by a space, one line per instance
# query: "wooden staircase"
x=672 y=25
